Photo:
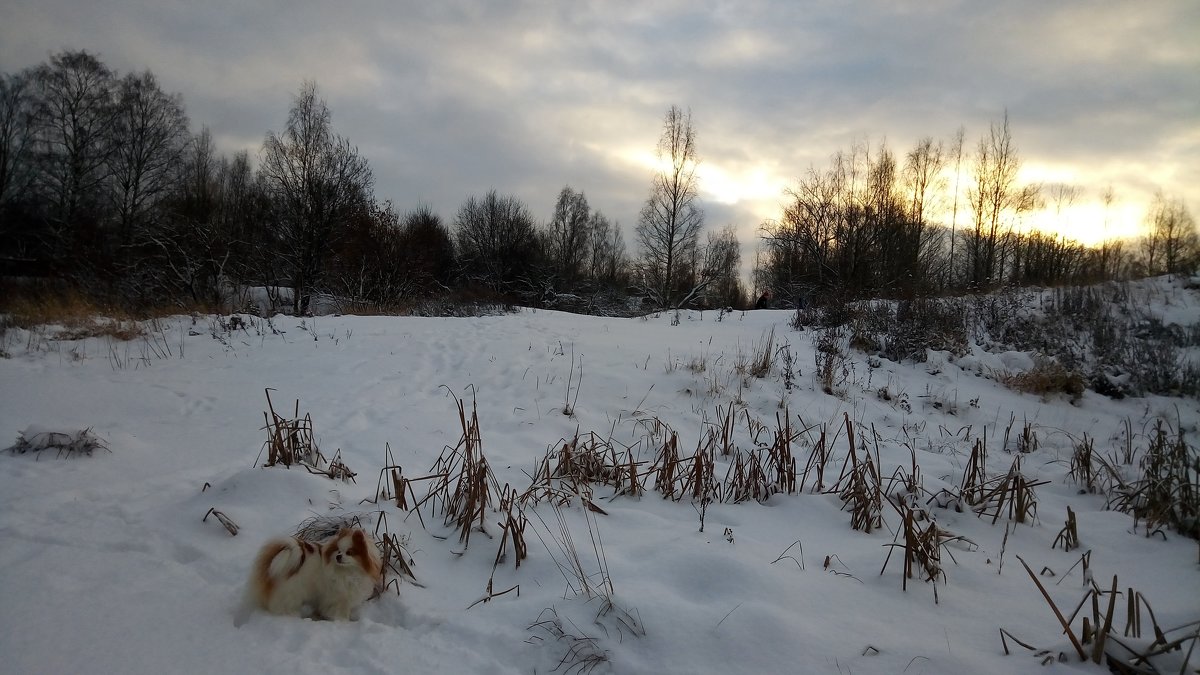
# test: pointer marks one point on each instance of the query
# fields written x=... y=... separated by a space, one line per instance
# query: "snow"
x=109 y=566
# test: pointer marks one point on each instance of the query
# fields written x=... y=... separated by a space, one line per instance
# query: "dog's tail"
x=283 y=558
x=277 y=561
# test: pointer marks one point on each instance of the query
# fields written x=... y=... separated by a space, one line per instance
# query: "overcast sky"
x=449 y=99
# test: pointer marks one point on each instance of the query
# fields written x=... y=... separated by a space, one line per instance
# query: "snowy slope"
x=108 y=567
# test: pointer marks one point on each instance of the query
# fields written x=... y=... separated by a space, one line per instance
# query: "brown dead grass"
x=1045 y=378
x=80 y=315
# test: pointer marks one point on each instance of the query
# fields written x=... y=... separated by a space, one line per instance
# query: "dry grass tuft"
x=760 y=365
x=922 y=546
x=859 y=485
x=1011 y=495
x=1168 y=492
x=570 y=468
x=1083 y=465
x=582 y=654
x=290 y=441
x=576 y=571
x=65 y=443
x=464 y=487
x=393 y=552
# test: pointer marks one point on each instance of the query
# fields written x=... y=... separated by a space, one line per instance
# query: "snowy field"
x=109 y=565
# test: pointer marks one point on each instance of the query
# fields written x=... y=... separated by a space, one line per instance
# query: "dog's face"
x=351 y=551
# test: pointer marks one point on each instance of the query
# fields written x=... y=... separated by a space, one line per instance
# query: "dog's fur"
x=327 y=580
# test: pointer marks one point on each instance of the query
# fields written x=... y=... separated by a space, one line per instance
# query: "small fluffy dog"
x=327 y=580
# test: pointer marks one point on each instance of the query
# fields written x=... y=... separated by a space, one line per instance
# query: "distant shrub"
x=923 y=324
x=1046 y=377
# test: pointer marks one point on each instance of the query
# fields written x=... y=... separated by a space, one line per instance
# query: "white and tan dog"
x=327 y=580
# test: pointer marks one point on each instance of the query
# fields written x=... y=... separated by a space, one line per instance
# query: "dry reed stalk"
x=337 y=469
x=746 y=479
x=761 y=364
x=1027 y=442
x=1168 y=493
x=1098 y=648
x=290 y=441
x=817 y=460
x=1013 y=495
x=223 y=519
x=512 y=529
x=726 y=417
x=393 y=555
x=1133 y=620
x=1069 y=535
x=1062 y=621
x=463 y=506
x=908 y=491
x=975 y=476
x=666 y=463
x=700 y=481
x=922 y=547
x=1083 y=471
x=754 y=427
x=783 y=463
x=570 y=468
x=633 y=487
x=859 y=486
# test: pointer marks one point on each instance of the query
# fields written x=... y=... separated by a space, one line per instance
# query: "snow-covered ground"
x=108 y=566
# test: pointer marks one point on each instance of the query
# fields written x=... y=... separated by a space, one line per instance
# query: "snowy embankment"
x=109 y=564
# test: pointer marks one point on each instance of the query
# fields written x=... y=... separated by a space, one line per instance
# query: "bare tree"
x=609 y=259
x=1062 y=196
x=922 y=166
x=959 y=139
x=996 y=199
x=671 y=220
x=568 y=235
x=429 y=250
x=1171 y=244
x=18 y=111
x=74 y=139
x=497 y=241
x=317 y=182
x=191 y=251
x=149 y=136
x=722 y=268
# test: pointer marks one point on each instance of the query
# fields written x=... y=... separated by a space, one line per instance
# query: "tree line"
x=105 y=187
x=942 y=218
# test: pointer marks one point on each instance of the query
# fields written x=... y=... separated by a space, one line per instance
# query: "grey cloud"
x=453 y=98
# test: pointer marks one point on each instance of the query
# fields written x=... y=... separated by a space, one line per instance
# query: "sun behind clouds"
x=1090 y=223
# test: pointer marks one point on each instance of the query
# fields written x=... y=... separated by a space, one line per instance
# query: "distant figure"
x=764 y=301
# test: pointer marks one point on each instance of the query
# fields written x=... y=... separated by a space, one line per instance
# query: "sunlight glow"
x=717 y=183
x=1084 y=219
x=1090 y=223
x=759 y=191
